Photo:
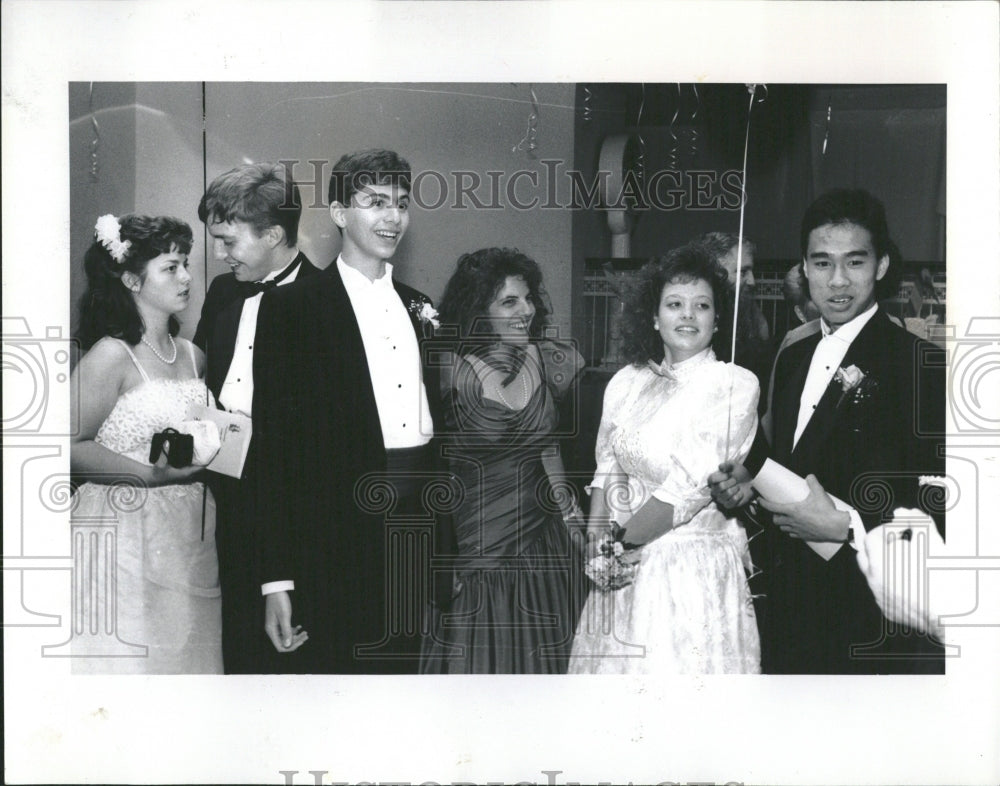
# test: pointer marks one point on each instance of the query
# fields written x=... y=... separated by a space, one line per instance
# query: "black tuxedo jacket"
x=869 y=451
x=245 y=648
x=220 y=319
x=317 y=434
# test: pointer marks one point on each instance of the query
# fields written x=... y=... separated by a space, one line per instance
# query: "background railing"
x=601 y=305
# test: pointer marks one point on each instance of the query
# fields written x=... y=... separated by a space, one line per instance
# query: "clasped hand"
x=730 y=486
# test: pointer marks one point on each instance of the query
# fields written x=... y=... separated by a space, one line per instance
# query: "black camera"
x=178 y=447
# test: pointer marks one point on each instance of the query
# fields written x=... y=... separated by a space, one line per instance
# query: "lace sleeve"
x=703 y=446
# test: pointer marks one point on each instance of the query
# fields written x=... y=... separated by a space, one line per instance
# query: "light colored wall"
x=148 y=155
x=102 y=166
x=440 y=127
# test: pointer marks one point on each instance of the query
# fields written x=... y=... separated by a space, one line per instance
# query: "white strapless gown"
x=167 y=602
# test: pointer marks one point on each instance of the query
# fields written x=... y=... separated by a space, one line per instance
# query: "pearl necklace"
x=524 y=392
x=156 y=352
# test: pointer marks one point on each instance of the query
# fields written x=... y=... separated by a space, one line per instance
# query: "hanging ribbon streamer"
x=752 y=89
x=826 y=131
x=588 y=111
x=693 y=131
x=640 y=162
x=529 y=142
x=673 y=162
x=95 y=143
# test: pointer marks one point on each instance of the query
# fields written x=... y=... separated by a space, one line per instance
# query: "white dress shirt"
x=236 y=394
x=825 y=361
x=393 y=355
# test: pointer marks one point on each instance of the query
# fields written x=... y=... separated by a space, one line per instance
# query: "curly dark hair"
x=691 y=262
x=477 y=279
x=107 y=307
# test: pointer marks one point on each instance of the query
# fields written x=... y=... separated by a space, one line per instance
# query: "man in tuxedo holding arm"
x=856 y=410
x=343 y=405
x=252 y=217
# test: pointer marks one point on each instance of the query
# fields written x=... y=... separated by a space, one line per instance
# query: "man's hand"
x=730 y=486
x=814 y=518
x=278 y=623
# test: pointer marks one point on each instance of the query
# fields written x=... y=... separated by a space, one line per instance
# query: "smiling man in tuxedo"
x=343 y=404
x=252 y=217
x=856 y=409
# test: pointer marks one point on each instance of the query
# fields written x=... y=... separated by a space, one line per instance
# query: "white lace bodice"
x=149 y=407
x=667 y=429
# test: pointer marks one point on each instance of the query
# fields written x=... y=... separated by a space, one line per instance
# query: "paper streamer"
x=95 y=142
x=529 y=142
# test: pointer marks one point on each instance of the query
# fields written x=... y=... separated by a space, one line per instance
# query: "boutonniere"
x=425 y=312
x=854 y=384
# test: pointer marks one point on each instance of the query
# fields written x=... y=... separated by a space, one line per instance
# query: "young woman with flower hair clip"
x=137 y=379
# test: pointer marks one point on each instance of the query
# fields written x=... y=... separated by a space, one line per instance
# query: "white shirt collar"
x=849 y=330
x=275 y=273
x=355 y=278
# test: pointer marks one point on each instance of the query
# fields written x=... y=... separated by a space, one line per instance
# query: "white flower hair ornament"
x=108 y=233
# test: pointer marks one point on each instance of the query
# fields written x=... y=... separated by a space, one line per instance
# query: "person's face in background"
x=806 y=312
x=747 y=280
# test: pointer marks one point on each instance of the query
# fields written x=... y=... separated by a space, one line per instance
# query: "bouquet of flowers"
x=616 y=564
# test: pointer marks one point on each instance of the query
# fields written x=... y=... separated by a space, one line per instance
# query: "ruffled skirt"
x=146 y=597
x=512 y=615
x=689 y=611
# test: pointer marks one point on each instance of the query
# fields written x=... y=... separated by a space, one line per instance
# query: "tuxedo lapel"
x=789 y=380
x=830 y=410
x=222 y=345
x=820 y=424
x=344 y=328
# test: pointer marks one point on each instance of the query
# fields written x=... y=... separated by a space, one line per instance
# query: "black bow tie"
x=251 y=288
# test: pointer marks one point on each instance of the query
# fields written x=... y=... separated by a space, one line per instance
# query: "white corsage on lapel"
x=423 y=312
x=855 y=386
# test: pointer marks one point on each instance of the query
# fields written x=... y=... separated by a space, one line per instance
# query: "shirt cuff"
x=856 y=533
x=270 y=587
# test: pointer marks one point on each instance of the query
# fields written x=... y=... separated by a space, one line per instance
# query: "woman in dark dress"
x=516 y=597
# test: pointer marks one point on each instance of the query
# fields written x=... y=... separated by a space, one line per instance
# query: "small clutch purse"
x=179 y=448
x=193 y=442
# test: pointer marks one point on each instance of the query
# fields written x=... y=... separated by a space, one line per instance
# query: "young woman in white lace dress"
x=669 y=419
x=146 y=585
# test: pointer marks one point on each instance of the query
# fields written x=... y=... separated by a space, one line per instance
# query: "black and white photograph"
x=526 y=392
